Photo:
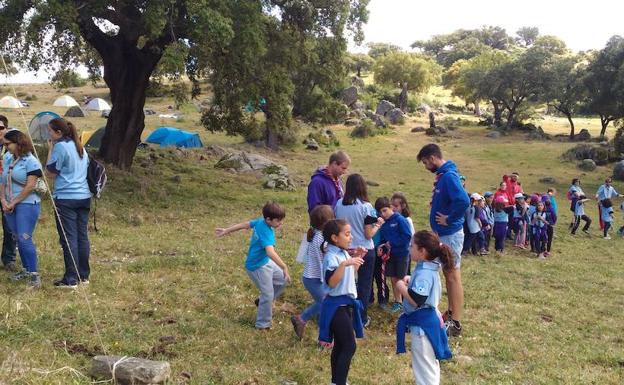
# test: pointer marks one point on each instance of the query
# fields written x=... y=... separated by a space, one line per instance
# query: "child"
x=264 y=266
x=488 y=214
x=501 y=220
x=399 y=205
x=574 y=192
x=551 y=218
x=379 y=278
x=539 y=225
x=607 y=216
x=340 y=310
x=421 y=296
x=579 y=213
x=553 y=200
x=312 y=276
x=473 y=223
x=396 y=235
x=519 y=220
x=530 y=211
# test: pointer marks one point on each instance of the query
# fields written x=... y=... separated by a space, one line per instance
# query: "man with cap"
x=606 y=191
x=9 y=246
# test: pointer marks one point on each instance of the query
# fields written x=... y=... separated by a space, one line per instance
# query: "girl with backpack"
x=67 y=165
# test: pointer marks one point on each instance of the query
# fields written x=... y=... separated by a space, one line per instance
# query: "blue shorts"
x=456 y=242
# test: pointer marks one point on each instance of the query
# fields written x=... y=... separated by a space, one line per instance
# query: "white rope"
x=119 y=361
x=81 y=287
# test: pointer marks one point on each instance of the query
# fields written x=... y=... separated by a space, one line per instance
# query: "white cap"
x=476 y=196
x=519 y=196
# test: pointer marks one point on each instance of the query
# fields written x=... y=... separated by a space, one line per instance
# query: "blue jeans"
x=22 y=222
x=315 y=287
x=73 y=214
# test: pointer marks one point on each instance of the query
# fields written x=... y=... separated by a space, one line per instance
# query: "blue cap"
x=487 y=194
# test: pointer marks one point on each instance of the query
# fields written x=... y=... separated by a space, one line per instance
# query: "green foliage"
x=420 y=73
x=359 y=62
x=618 y=140
x=66 y=78
x=527 y=36
x=377 y=50
x=367 y=129
x=566 y=91
x=180 y=92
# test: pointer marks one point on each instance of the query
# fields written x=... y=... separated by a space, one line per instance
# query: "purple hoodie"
x=322 y=190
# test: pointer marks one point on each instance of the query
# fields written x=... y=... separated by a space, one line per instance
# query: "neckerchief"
x=336 y=181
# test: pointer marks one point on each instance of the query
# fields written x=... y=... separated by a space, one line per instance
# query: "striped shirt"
x=314 y=258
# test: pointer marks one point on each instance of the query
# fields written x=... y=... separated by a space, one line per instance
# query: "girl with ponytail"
x=67 y=166
x=421 y=295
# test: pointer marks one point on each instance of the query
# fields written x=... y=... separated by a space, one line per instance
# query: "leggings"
x=344 y=345
x=607 y=227
x=577 y=222
x=500 y=231
x=550 y=231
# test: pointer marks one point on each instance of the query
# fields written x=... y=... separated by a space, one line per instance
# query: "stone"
x=587 y=165
x=311 y=144
x=130 y=370
x=372 y=183
x=396 y=116
x=582 y=136
x=618 y=170
x=419 y=129
x=432 y=132
x=424 y=108
x=358 y=82
x=384 y=107
x=493 y=134
x=234 y=160
x=379 y=121
x=548 y=180
x=350 y=95
x=278 y=178
x=537 y=133
x=353 y=122
x=215 y=150
x=358 y=105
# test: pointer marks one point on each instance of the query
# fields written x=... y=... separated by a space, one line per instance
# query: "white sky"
x=582 y=25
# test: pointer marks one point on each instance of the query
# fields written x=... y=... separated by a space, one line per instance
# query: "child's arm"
x=413 y=298
x=271 y=253
x=336 y=275
x=241 y=226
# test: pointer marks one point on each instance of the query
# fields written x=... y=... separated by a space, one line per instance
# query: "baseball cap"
x=519 y=196
x=476 y=196
x=487 y=194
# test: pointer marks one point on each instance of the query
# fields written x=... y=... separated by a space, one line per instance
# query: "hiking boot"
x=298 y=325
x=453 y=328
x=396 y=307
x=35 y=281
x=11 y=267
x=20 y=275
x=62 y=284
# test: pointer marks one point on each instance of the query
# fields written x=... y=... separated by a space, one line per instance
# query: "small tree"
x=66 y=78
x=527 y=36
x=359 y=62
x=410 y=71
x=377 y=50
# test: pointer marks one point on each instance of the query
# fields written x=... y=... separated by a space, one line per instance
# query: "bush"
x=66 y=79
x=618 y=140
x=322 y=108
x=366 y=130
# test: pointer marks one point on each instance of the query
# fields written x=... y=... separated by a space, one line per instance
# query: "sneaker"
x=266 y=329
x=484 y=252
x=541 y=257
x=396 y=307
x=453 y=328
x=11 y=267
x=298 y=325
x=607 y=237
x=586 y=232
x=84 y=282
x=35 y=281
x=367 y=323
x=62 y=284
x=546 y=254
x=20 y=275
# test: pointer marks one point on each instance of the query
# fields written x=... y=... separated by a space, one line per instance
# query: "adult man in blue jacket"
x=449 y=202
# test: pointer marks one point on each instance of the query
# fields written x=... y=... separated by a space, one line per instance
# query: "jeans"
x=8 y=244
x=469 y=240
x=22 y=222
x=551 y=234
x=365 y=281
x=73 y=215
x=269 y=279
x=456 y=242
x=382 y=287
x=607 y=227
x=315 y=287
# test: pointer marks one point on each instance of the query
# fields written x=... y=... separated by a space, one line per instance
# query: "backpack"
x=96 y=177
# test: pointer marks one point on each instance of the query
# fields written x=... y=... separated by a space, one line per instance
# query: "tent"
x=92 y=138
x=38 y=127
x=98 y=104
x=169 y=136
x=76 y=112
x=65 y=101
x=10 y=102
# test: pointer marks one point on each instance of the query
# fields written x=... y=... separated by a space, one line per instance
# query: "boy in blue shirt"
x=264 y=266
x=396 y=235
x=606 y=214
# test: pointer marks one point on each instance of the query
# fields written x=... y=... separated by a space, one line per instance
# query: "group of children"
x=606 y=212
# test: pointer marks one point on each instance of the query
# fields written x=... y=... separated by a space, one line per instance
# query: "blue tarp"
x=169 y=136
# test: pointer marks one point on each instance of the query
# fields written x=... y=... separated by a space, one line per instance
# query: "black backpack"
x=96 y=177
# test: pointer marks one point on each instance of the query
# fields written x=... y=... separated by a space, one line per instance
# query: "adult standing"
x=8 y=242
x=606 y=191
x=513 y=186
x=67 y=165
x=356 y=209
x=20 y=204
x=501 y=195
x=325 y=186
x=449 y=202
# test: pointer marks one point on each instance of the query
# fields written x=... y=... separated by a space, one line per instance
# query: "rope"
x=81 y=287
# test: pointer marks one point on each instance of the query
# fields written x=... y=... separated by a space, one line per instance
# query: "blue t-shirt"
x=579 y=209
x=607 y=214
x=354 y=215
x=23 y=167
x=71 y=171
x=501 y=216
x=425 y=281
x=334 y=256
x=262 y=237
x=471 y=220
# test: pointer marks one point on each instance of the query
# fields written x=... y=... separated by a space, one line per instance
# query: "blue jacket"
x=396 y=230
x=322 y=191
x=328 y=308
x=427 y=319
x=449 y=198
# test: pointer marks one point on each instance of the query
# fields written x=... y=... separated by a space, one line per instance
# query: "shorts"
x=396 y=267
x=456 y=242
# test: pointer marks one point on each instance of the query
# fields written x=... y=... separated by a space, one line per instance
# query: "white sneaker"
x=541 y=257
x=607 y=237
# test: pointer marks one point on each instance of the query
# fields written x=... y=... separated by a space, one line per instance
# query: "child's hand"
x=287 y=276
x=355 y=261
x=406 y=279
x=380 y=221
x=360 y=252
x=220 y=232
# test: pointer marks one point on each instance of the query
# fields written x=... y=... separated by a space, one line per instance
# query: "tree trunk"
x=477 y=108
x=432 y=123
x=604 y=123
x=511 y=116
x=569 y=116
x=126 y=72
x=403 y=98
x=359 y=71
x=498 y=114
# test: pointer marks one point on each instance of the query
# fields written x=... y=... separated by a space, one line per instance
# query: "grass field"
x=158 y=271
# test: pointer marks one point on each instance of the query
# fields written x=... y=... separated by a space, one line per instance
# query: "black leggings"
x=344 y=345
x=577 y=222
x=607 y=227
x=551 y=233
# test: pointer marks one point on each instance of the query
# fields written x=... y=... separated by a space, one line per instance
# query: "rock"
x=234 y=160
x=587 y=165
x=384 y=107
x=424 y=108
x=493 y=134
x=311 y=144
x=548 y=180
x=396 y=116
x=441 y=129
x=130 y=370
x=257 y=162
x=358 y=105
x=582 y=136
x=324 y=137
x=618 y=170
x=379 y=121
x=537 y=133
x=215 y=150
x=372 y=183
x=419 y=129
x=357 y=82
x=350 y=95
x=278 y=178
x=432 y=132
x=352 y=122
x=176 y=179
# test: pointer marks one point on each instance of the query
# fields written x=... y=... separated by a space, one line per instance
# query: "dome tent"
x=38 y=127
x=76 y=112
x=10 y=102
x=93 y=138
x=65 y=101
x=98 y=104
x=169 y=136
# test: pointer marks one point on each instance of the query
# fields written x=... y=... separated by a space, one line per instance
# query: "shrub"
x=322 y=108
x=66 y=79
x=367 y=129
x=618 y=140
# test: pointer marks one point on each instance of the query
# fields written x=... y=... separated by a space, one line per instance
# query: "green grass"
x=159 y=271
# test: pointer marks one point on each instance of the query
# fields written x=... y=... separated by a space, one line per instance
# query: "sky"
x=582 y=25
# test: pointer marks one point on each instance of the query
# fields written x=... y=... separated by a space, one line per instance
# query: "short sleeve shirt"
x=354 y=215
x=261 y=237
x=334 y=256
x=22 y=168
x=426 y=282
x=71 y=171
x=607 y=214
x=579 y=209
